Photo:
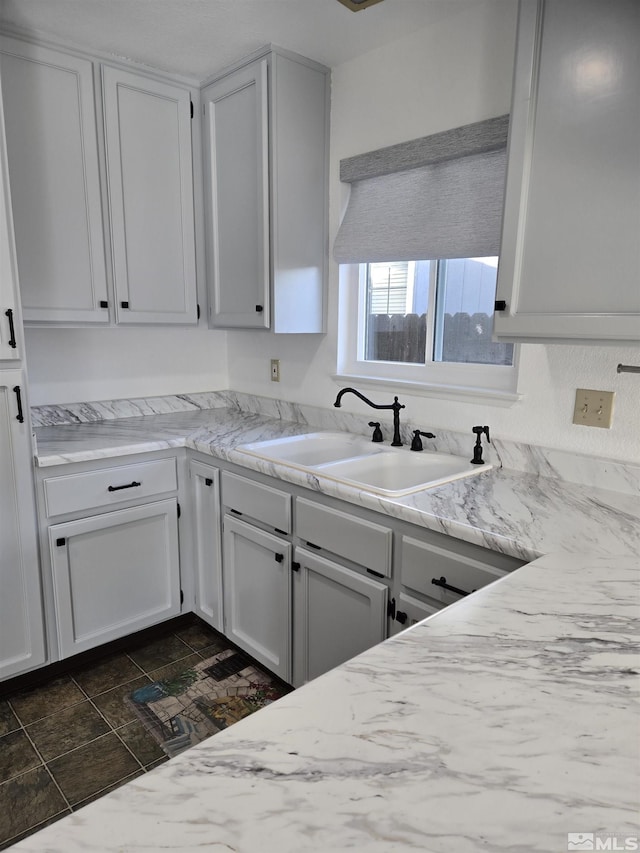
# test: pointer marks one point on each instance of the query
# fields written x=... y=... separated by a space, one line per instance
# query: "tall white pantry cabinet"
x=22 y=644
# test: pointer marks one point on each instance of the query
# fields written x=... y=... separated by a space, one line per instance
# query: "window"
x=426 y=323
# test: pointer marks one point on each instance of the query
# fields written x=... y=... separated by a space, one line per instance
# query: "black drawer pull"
x=279 y=557
x=259 y=309
x=315 y=547
x=208 y=481
x=401 y=617
x=18 y=393
x=131 y=485
x=443 y=583
x=500 y=305
x=60 y=542
x=12 y=332
x=104 y=303
x=124 y=304
x=295 y=566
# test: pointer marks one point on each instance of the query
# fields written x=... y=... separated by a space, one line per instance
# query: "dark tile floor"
x=68 y=741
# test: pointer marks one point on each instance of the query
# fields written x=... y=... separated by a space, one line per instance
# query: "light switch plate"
x=594 y=408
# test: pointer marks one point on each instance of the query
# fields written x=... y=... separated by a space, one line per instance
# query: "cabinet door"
x=55 y=185
x=257 y=594
x=21 y=618
x=148 y=149
x=570 y=257
x=207 y=559
x=114 y=574
x=337 y=614
x=299 y=168
x=237 y=198
x=10 y=349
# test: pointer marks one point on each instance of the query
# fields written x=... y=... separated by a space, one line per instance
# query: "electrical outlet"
x=275 y=370
x=594 y=408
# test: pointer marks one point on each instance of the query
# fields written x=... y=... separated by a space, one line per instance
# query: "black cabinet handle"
x=12 y=331
x=124 y=304
x=18 y=393
x=208 y=481
x=279 y=557
x=104 y=303
x=401 y=617
x=295 y=566
x=131 y=485
x=500 y=305
x=259 y=309
x=443 y=583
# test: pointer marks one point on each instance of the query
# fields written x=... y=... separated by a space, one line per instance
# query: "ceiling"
x=197 y=38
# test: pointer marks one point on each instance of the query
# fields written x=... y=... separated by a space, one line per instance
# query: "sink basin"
x=400 y=472
x=357 y=461
x=312 y=449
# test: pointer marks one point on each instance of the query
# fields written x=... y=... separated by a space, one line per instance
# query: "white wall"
x=72 y=365
x=456 y=72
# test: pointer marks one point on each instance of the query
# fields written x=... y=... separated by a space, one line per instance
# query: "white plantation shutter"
x=388 y=288
x=436 y=197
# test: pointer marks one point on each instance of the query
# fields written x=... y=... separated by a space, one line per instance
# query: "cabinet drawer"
x=265 y=504
x=363 y=542
x=109 y=486
x=422 y=563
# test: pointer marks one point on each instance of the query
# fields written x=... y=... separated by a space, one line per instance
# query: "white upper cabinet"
x=236 y=132
x=10 y=331
x=150 y=180
x=265 y=164
x=53 y=163
x=570 y=259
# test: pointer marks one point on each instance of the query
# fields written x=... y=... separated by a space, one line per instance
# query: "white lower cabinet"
x=207 y=544
x=338 y=613
x=257 y=594
x=22 y=644
x=114 y=573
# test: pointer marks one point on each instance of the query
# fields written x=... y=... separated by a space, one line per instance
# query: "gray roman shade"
x=436 y=197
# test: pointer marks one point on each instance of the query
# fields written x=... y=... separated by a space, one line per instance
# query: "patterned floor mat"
x=204 y=699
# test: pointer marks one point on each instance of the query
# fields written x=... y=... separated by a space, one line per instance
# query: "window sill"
x=426 y=389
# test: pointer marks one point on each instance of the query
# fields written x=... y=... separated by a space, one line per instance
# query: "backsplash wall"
x=66 y=365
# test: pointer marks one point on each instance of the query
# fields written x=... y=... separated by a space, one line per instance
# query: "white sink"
x=312 y=449
x=357 y=461
x=400 y=472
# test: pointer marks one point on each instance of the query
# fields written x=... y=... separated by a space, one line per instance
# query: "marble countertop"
x=502 y=723
x=520 y=514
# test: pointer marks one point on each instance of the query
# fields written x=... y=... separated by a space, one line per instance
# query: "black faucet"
x=477 y=450
x=395 y=407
